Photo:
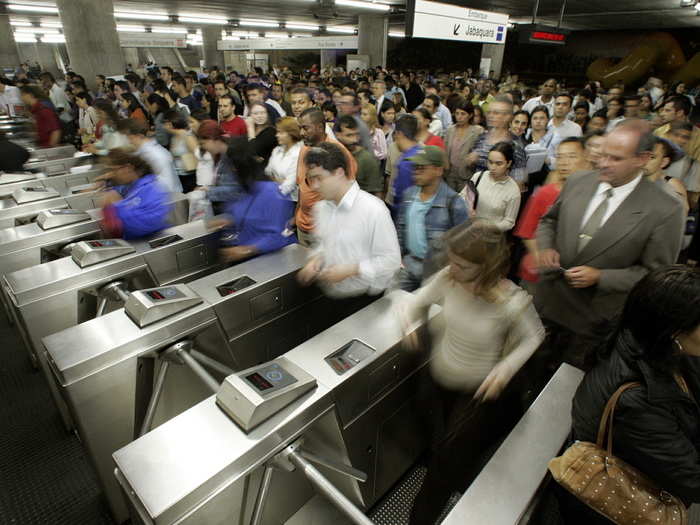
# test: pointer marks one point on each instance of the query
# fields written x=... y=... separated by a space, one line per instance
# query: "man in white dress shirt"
x=560 y=127
x=357 y=249
x=546 y=97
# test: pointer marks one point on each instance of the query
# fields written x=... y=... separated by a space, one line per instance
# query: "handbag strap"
x=606 y=420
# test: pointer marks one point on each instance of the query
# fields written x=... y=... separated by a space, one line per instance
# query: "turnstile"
x=66 y=184
x=132 y=369
x=64 y=292
x=25 y=203
x=54 y=164
x=57 y=152
x=343 y=415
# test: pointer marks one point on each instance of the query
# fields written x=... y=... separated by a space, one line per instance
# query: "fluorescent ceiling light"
x=135 y=15
x=33 y=8
x=307 y=27
x=227 y=37
x=18 y=23
x=257 y=23
x=338 y=29
x=197 y=19
x=363 y=5
x=51 y=24
x=55 y=39
x=397 y=34
x=36 y=30
x=24 y=38
x=273 y=34
x=178 y=30
x=248 y=34
x=131 y=29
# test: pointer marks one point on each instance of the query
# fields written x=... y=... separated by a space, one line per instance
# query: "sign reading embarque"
x=312 y=42
x=151 y=40
x=450 y=22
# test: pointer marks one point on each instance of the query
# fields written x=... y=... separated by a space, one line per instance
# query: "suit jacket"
x=643 y=233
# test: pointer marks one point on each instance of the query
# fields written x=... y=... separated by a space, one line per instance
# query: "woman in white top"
x=491 y=330
x=368 y=114
x=87 y=117
x=498 y=198
x=183 y=146
x=110 y=138
x=205 y=173
x=282 y=167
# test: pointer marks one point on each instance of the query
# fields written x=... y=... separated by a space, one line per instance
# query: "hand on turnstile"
x=310 y=271
x=494 y=384
x=411 y=338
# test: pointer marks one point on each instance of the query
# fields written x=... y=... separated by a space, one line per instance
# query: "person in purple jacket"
x=137 y=206
x=258 y=221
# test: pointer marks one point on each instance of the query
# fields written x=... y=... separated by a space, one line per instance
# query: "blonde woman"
x=369 y=115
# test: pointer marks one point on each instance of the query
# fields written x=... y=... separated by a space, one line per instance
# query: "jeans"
x=410 y=275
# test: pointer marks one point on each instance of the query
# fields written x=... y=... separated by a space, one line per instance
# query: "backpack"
x=470 y=193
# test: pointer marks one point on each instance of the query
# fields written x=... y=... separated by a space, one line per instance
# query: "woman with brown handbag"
x=656 y=423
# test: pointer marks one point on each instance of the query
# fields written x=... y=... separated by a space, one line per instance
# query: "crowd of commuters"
x=535 y=217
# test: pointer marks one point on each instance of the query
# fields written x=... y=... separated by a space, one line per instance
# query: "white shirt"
x=60 y=101
x=205 y=168
x=282 y=168
x=531 y=104
x=9 y=99
x=554 y=136
x=358 y=230
x=436 y=126
x=161 y=161
x=618 y=197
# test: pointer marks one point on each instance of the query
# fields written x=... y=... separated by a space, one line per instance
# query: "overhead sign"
x=312 y=42
x=151 y=40
x=539 y=34
x=450 y=22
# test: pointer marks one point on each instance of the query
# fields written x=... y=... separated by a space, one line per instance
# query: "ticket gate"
x=57 y=163
x=65 y=184
x=95 y=276
x=342 y=415
x=24 y=204
x=171 y=347
x=62 y=151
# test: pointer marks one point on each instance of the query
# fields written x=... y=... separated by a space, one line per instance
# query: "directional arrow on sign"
x=455 y=29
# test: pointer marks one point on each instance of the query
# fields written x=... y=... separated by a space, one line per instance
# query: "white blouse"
x=282 y=168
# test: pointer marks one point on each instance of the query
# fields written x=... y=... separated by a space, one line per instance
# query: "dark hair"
x=46 y=74
x=271 y=117
x=665 y=303
x=108 y=109
x=591 y=134
x=572 y=140
x=314 y=114
x=155 y=98
x=254 y=87
x=134 y=127
x=85 y=96
x=327 y=156
x=303 y=91
x=243 y=159
x=680 y=103
x=522 y=112
x=565 y=94
x=133 y=102
x=200 y=115
x=424 y=113
x=367 y=92
x=168 y=69
x=504 y=148
x=176 y=118
x=123 y=157
x=582 y=105
x=179 y=80
x=159 y=85
x=386 y=106
x=601 y=113
x=466 y=106
x=540 y=109
x=435 y=99
x=35 y=91
x=101 y=77
x=668 y=149
x=619 y=101
x=329 y=106
x=407 y=125
x=587 y=94
x=123 y=85
x=346 y=121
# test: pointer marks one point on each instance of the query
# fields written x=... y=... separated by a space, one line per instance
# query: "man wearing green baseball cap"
x=428 y=209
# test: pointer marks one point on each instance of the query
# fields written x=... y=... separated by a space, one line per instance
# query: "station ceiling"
x=578 y=14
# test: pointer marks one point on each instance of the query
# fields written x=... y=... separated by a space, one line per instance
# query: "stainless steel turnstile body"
x=54 y=163
x=13 y=214
x=106 y=367
x=66 y=183
x=201 y=467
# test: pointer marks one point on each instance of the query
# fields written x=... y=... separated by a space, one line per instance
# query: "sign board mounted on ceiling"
x=426 y=19
x=151 y=40
x=312 y=42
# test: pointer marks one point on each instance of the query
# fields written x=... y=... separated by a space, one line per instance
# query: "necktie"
x=594 y=222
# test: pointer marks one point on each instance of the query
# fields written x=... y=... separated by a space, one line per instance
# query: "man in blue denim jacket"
x=428 y=209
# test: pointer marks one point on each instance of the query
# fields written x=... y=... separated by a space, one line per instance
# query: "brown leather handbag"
x=610 y=486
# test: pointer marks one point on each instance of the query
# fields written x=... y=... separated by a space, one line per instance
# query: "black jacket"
x=12 y=156
x=656 y=426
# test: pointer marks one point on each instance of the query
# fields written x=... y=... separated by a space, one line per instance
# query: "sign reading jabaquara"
x=450 y=22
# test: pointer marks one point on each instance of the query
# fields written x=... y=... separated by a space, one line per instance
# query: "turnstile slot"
x=384 y=377
x=31 y=194
x=164 y=241
x=351 y=354
x=235 y=286
x=266 y=303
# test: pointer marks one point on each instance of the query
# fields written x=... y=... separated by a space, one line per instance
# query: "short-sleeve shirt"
x=369 y=175
x=46 y=123
x=234 y=128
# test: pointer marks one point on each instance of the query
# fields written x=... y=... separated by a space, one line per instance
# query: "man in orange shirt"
x=313 y=131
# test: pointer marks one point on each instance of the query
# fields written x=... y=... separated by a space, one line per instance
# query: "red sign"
x=544 y=35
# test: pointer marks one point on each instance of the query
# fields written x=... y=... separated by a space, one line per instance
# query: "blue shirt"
x=144 y=209
x=404 y=177
x=260 y=217
x=226 y=187
x=416 y=238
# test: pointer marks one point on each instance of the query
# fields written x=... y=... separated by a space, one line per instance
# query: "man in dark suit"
x=606 y=230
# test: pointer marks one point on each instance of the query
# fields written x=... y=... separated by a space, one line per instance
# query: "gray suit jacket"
x=644 y=233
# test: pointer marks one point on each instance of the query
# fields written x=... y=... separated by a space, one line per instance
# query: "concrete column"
x=91 y=38
x=495 y=53
x=9 y=56
x=372 y=38
x=329 y=57
x=212 y=56
x=131 y=56
x=47 y=58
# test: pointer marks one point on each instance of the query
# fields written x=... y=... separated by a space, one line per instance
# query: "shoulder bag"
x=610 y=486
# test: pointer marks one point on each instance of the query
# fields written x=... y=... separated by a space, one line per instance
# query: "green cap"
x=428 y=156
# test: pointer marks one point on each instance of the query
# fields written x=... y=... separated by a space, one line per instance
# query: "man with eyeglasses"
x=357 y=251
x=601 y=236
x=546 y=97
